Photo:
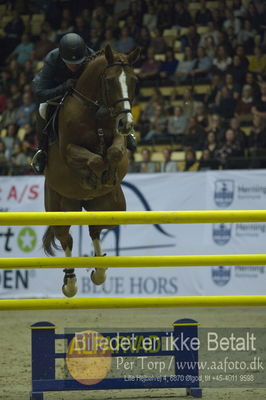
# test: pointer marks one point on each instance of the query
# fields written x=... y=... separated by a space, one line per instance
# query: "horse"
x=88 y=161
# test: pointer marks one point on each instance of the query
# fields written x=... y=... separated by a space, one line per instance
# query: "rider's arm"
x=44 y=85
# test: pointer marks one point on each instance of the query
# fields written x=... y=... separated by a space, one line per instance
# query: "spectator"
x=9 y=116
x=150 y=69
x=3 y=101
x=3 y=159
x=194 y=135
x=221 y=61
x=23 y=51
x=64 y=29
x=202 y=65
x=13 y=31
x=233 y=87
x=203 y=15
x=165 y=16
x=181 y=15
x=257 y=63
x=231 y=22
x=239 y=134
x=244 y=104
x=30 y=138
x=246 y=36
x=211 y=144
x=211 y=32
x=190 y=39
x=191 y=163
x=200 y=115
x=240 y=51
x=184 y=67
x=218 y=18
x=257 y=142
x=50 y=32
x=150 y=18
x=206 y=162
x=250 y=79
x=157 y=42
x=146 y=165
x=42 y=47
x=149 y=110
x=228 y=151
x=260 y=103
x=210 y=96
x=216 y=126
x=168 y=66
x=158 y=124
x=81 y=28
x=177 y=123
x=9 y=139
x=109 y=39
x=188 y=103
x=225 y=103
x=125 y=43
x=143 y=40
x=25 y=110
x=237 y=70
x=209 y=45
x=252 y=15
x=168 y=165
x=94 y=39
x=18 y=159
x=15 y=94
x=133 y=166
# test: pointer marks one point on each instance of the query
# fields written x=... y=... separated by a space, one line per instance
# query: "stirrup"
x=38 y=161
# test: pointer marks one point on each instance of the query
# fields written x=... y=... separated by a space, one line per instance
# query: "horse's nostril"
x=121 y=124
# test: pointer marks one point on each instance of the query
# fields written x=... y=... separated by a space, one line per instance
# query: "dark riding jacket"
x=49 y=82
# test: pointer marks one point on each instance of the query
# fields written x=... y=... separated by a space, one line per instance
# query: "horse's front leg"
x=98 y=276
x=69 y=287
x=114 y=156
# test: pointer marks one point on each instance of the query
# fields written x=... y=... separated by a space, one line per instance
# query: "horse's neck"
x=89 y=82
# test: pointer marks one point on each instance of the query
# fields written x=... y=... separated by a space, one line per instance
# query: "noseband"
x=110 y=108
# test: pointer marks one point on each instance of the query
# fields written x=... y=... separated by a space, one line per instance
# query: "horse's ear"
x=109 y=55
x=134 y=55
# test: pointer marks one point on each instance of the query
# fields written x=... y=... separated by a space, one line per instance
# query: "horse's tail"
x=48 y=242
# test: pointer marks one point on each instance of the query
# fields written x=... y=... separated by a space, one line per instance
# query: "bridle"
x=105 y=91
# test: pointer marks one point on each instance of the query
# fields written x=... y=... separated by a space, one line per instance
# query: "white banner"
x=179 y=191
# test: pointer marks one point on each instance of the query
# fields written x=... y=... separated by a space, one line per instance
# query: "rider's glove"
x=69 y=84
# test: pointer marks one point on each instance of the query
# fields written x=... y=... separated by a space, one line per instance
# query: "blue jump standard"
x=44 y=357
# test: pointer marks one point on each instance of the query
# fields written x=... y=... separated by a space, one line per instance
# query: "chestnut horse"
x=89 y=160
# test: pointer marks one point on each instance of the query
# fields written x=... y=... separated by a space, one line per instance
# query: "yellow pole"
x=130 y=217
x=132 y=302
x=133 y=262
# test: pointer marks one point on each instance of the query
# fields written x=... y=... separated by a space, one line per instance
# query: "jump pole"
x=133 y=261
x=132 y=302
x=130 y=217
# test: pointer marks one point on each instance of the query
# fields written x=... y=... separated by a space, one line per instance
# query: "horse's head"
x=118 y=86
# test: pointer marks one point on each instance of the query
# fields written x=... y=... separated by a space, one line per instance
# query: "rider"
x=62 y=67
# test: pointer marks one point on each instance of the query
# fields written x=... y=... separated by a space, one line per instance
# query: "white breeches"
x=42 y=110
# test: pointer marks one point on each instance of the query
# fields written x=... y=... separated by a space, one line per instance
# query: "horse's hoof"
x=98 y=276
x=70 y=288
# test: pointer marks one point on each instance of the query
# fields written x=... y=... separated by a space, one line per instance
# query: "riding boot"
x=39 y=159
x=131 y=142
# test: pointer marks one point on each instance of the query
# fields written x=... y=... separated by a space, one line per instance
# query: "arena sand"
x=15 y=353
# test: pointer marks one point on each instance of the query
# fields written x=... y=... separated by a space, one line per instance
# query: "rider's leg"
x=39 y=160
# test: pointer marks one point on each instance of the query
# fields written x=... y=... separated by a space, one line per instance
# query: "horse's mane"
x=92 y=56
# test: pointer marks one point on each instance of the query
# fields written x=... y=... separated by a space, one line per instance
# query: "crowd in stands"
x=218 y=46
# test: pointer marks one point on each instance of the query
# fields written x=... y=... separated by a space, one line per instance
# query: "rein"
x=94 y=104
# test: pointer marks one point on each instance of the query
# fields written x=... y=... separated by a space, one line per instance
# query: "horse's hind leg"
x=98 y=276
x=55 y=202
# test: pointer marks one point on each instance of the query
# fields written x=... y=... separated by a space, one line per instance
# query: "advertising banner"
x=211 y=190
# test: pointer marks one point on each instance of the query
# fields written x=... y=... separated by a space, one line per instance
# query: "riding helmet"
x=72 y=49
